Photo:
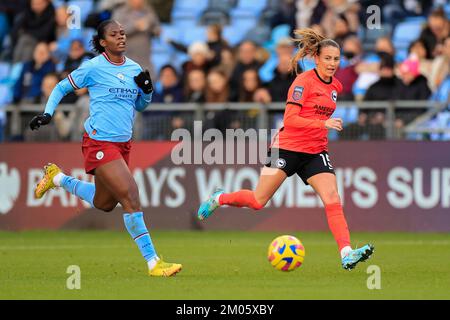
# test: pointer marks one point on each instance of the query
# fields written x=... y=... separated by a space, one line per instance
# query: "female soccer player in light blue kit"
x=117 y=88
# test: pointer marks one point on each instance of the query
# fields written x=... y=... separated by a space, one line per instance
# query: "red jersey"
x=310 y=102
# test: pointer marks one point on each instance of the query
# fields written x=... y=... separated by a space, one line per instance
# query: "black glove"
x=144 y=81
x=40 y=120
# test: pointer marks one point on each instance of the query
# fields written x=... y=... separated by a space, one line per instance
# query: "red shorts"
x=97 y=153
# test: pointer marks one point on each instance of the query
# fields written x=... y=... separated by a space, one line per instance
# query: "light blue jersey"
x=114 y=96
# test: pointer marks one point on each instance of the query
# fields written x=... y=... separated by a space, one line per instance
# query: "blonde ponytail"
x=309 y=43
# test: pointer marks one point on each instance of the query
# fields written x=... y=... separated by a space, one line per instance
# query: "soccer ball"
x=286 y=253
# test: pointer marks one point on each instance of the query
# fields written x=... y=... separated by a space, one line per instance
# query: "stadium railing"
x=159 y=120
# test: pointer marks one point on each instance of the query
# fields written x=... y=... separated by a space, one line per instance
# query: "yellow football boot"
x=46 y=183
x=165 y=269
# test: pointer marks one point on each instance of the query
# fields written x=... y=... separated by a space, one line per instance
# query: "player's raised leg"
x=325 y=186
x=54 y=177
x=269 y=182
x=118 y=179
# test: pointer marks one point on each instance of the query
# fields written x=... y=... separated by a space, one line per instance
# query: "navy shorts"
x=305 y=165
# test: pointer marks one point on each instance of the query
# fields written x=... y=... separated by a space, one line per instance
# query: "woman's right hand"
x=334 y=123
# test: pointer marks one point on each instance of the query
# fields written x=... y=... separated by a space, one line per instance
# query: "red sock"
x=338 y=224
x=241 y=198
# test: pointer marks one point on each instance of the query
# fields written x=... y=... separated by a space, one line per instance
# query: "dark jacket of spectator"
x=383 y=89
x=41 y=27
x=28 y=86
x=417 y=90
x=279 y=86
x=169 y=95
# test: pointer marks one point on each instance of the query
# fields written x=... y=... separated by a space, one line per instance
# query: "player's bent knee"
x=131 y=200
x=105 y=207
x=330 y=198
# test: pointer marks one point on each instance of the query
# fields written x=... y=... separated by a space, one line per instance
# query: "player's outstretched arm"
x=144 y=82
x=62 y=88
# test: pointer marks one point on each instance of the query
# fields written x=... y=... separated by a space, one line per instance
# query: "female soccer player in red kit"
x=301 y=145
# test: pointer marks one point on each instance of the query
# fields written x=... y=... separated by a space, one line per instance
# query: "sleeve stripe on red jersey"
x=295 y=103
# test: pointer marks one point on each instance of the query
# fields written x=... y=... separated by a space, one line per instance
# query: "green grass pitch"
x=218 y=265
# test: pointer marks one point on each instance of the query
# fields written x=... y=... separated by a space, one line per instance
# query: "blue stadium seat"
x=225 y=5
x=442 y=93
x=278 y=33
x=252 y=5
x=214 y=16
x=15 y=72
x=233 y=35
x=172 y=32
x=5 y=68
x=197 y=33
x=5 y=94
x=178 y=59
x=266 y=72
x=161 y=46
x=189 y=5
x=405 y=33
x=243 y=24
x=184 y=20
x=351 y=115
x=260 y=34
x=159 y=60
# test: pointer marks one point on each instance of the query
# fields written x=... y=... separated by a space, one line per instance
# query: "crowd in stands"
x=408 y=58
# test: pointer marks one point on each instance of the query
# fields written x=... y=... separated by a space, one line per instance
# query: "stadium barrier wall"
x=385 y=186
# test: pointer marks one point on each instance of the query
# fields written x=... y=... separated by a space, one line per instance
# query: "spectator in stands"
x=217 y=86
x=418 y=49
x=69 y=126
x=36 y=24
x=65 y=35
x=227 y=62
x=195 y=86
x=49 y=82
x=376 y=128
x=384 y=88
x=172 y=91
x=318 y=29
x=262 y=95
x=342 y=30
x=347 y=75
x=309 y=12
x=247 y=59
x=397 y=10
x=28 y=86
x=385 y=45
x=218 y=91
x=436 y=31
x=249 y=83
x=285 y=14
x=356 y=130
x=77 y=55
x=440 y=67
x=141 y=23
x=335 y=8
x=216 y=43
x=200 y=55
x=413 y=86
x=279 y=86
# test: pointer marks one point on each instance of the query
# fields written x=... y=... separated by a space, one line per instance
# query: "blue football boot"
x=358 y=255
x=207 y=207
